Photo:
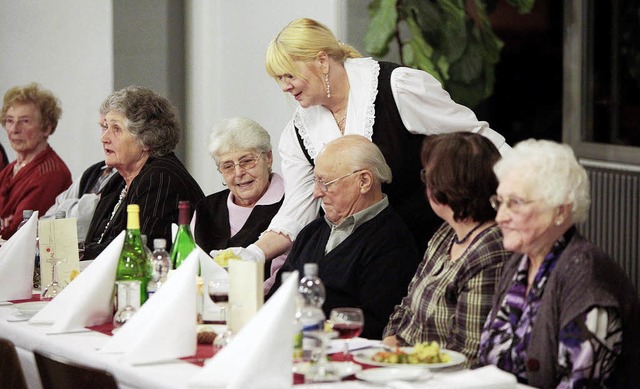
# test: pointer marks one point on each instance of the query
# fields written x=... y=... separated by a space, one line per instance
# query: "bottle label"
x=297 y=347
x=134 y=300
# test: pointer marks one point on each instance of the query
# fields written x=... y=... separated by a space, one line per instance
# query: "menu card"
x=58 y=244
x=246 y=294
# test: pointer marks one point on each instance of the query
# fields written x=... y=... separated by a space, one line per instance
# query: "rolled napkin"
x=165 y=327
x=17 y=256
x=246 y=293
x=261 y=354
x=87 y=300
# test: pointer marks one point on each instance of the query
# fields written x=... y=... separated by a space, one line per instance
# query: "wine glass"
x=219 y=294
x=125 y=313
x=50 y=291
x=348 y=323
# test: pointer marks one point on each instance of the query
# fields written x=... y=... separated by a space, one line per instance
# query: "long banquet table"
x=82 y=347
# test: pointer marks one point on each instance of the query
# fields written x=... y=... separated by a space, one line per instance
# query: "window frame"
x=576 y=110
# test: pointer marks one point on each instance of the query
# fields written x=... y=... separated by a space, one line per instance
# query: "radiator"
x=614 y=217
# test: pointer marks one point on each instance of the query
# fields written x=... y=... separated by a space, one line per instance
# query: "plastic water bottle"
x=311 y=315
x=160 y=266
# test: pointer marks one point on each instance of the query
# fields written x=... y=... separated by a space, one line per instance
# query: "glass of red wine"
x=348 y=323
x=219 y=294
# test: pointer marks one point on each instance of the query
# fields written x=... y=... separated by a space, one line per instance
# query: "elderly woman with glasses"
x=450 y=295
x=565 y=315
x=30 y=116
x=142 y=130
x=235 y=217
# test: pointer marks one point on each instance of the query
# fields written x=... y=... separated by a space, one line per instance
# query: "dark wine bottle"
x=184 y=242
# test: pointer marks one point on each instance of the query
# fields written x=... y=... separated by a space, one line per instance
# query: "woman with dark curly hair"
x=451 y=293
x=138 y=141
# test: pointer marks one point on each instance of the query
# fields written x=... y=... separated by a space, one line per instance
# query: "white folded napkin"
x=165 y=327
x=88 y=299
x=487 y=377
x=17 y=256
x=261 y=354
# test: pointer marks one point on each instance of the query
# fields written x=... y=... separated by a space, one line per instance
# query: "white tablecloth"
x=81 y=347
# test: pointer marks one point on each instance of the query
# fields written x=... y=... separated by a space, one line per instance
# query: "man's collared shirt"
x=340 y=232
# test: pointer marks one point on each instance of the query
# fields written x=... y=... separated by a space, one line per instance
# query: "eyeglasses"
x=324 y=186
x=245 y=163
x=513 y=204
x=423 y=175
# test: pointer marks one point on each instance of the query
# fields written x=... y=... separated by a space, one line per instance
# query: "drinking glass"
x=348 y=323
x=50 y=291
x=125 y=313
x=319 y=369
x=219 y=294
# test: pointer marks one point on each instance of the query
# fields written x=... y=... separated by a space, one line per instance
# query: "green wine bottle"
x=132 y=264
x=184 y=243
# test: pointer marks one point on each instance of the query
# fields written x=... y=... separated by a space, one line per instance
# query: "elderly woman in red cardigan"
x=30 y=115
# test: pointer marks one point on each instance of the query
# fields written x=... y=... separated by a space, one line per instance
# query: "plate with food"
x=388 y=374
x=29 y=309
x=428 y=354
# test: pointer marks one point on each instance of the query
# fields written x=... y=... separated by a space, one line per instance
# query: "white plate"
x=29 y=309
x=387 y=374
x=365 y=357
x=343 y=369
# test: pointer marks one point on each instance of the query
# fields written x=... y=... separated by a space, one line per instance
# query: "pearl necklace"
x=123 y=194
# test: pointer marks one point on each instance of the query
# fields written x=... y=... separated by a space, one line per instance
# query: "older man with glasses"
x=365 y=252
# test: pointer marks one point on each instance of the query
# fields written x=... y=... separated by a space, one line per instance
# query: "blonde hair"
x=47 y=104
x=302 y=40
x=553 y=172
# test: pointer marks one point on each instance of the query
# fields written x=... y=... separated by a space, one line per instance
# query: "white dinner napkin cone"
x=165 y=327
x=88 y=299
x=261 y=354
x=17 y=257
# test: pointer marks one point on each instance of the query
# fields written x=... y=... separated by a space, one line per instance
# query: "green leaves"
x=382 y=27
x=450 y=39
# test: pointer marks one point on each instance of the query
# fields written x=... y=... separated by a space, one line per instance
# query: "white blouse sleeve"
x=426 y=108
x=299 y=207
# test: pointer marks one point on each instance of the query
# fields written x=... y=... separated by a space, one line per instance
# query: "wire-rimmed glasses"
x=513 y=204
x=324 y=185
x=245 y=163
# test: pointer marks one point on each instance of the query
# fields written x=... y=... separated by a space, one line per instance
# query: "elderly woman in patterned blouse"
x=450 y=294
x=565 y=315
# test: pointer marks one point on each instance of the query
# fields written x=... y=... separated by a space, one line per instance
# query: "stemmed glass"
x=125 y=313
x=348 y=322
x=219 y=294
x=52 y=290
